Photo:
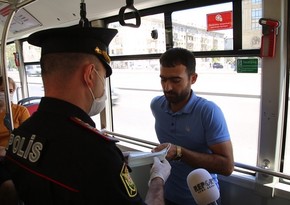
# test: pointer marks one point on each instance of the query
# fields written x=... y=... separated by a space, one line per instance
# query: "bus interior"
x=243 y=66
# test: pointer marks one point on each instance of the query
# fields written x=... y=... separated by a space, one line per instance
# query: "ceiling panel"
x=42 y=14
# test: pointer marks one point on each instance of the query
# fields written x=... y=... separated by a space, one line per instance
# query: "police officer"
x=57 y=156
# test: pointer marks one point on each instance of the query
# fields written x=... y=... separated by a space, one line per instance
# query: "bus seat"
x=31 y=108
x=31 y=103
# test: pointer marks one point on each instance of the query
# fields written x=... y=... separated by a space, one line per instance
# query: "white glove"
x=160 y=169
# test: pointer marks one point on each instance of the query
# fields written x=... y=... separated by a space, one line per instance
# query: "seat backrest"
x=32 y=107
x=31 y=103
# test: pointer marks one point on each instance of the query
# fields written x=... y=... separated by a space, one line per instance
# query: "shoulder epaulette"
x=93 y=129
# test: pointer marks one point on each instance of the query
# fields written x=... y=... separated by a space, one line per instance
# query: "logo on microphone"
x=203 y=186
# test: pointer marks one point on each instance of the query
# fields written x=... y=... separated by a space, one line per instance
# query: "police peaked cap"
x=76 y=39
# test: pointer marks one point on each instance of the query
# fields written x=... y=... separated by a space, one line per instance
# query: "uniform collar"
x=61 y=107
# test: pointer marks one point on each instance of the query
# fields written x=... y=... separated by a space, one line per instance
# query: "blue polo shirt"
x=199 y=124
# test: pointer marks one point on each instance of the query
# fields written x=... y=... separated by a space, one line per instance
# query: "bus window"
x=286 y=169
x=137 y=82
x=12 y=69
x=201 y=35
x=30 y=53
x=254 y=103
x=252 y=30
x=192 y=30
x=238 y=94
x=130 y=40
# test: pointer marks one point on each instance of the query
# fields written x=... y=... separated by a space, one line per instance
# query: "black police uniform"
x=57 y=156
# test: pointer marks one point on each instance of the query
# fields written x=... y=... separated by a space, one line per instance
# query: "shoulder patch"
x=26 y=148
x=128 y=182
x=93 y=129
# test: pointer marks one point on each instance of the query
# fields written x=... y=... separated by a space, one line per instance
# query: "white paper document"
x=136 y=158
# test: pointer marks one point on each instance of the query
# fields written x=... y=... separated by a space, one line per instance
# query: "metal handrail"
x=141 y=143
x=262 y=170
x=8 y=120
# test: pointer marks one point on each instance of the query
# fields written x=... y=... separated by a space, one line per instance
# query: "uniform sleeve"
x=4 y=175
x=110 y=176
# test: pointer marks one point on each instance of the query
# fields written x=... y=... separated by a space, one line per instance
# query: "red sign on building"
x=219 y=21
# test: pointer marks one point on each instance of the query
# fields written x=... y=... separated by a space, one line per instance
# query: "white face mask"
x=98 y=103
x=11 y=96
x=2 y=96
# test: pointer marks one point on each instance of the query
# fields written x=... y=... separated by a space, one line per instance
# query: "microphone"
x=203 y=187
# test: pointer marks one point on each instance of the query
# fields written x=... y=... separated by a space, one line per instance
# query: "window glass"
x=136 y=85
x=10 y=59
x=148 y=38
x=286 y=168
x=11 y=68
x=256 y=1
x=252 y=30
x=30 y=53
x=35 y=84
x=204 y=29
x=209 y=28
x=238 y=95
x=256 y=15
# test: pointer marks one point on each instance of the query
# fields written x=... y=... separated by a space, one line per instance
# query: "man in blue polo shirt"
x=195 y=127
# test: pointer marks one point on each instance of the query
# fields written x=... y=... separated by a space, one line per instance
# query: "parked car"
x=217 y=65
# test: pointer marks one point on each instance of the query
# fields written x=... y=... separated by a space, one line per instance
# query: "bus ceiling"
x=33 y=15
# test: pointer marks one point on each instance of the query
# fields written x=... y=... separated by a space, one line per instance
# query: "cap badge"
x=103 y=53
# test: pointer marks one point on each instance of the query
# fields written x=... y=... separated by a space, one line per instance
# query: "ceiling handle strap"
x=129 y=6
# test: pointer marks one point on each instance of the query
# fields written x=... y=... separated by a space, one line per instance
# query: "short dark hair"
x=63 y=62
x=177 y=56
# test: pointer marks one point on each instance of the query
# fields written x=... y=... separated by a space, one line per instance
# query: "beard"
x=175 y=98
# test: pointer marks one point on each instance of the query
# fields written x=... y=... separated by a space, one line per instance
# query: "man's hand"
x=160 y=169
